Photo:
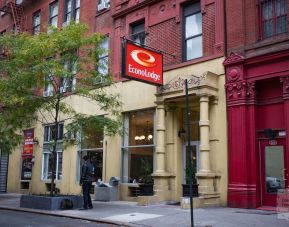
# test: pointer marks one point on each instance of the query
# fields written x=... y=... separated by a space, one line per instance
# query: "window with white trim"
x=49 y=136
x=48 y=86
x=50 y=131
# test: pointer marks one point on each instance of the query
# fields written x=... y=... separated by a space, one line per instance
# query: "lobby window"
x=273 y=17
x=49 y=136
x=72 y=11
x=36 y=17
x=138 y=32
x=192 y=31
x=53 y=14
x=102 y=66
x=138 y=146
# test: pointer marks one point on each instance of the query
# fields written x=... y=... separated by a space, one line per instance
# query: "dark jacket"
x=87 y=172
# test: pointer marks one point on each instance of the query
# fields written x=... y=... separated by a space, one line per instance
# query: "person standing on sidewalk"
x=87 y=173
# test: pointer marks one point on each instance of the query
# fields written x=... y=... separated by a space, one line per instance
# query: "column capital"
x=204 y=98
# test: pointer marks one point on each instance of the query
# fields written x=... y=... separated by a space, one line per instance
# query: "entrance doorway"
x=195 y=148
x=273 y=170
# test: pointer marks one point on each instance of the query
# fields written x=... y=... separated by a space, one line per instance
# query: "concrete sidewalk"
x=129 y=214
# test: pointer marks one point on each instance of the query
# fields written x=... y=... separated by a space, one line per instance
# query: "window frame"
x=46 y=163
x=49 y=136
x=74 y=10
x=184 y=38
x=51 y=17
x=274 y=18
x=138 y=34
x=35 y=27
x=126 y=146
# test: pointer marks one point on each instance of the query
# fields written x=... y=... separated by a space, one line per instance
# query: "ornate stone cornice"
x=285 y=81
x=234 y=58
x=241 y=92
x=179 y=83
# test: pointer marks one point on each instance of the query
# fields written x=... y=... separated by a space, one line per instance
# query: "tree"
x=39 y=73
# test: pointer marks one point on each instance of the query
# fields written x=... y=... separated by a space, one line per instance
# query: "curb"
x=69 y=216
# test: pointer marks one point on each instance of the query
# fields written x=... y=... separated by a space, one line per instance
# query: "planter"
x=186 y=190
x=146 y=189
x=59 y=202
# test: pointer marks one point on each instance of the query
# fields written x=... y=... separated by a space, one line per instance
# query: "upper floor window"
x=72 y=11
x=48 y=86
x=192 y=30
x=67 y=82
x=138 y=32
x=36 y=23
x=53 y=14
x=273 y=17
x=103 y=57
x=103 y=4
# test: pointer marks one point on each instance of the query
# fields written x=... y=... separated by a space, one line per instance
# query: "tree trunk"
x=54 y=147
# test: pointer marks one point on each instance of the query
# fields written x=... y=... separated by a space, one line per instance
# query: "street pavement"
x=123 y=213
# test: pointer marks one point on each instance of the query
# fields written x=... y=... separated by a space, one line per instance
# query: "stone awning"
x=207 y=83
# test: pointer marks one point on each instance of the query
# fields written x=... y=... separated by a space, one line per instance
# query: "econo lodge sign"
x=142 y=64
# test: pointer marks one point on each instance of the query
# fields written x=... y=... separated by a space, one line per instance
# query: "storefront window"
x=138 y=147
x=47 y=166
x=92 y=146
x=49 y=136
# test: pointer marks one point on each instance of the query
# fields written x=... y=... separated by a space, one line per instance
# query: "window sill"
x=268 y=41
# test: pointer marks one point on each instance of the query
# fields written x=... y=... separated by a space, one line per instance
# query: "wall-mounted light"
x=181 y=133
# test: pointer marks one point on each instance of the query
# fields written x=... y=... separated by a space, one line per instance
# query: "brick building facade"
x=257 y=70
x=190 y=34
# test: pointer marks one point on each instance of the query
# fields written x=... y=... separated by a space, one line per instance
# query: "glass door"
x=274 y=178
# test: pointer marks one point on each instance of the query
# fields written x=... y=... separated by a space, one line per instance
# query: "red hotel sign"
x=142 y=64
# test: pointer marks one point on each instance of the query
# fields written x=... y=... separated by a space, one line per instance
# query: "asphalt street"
x=23 y=219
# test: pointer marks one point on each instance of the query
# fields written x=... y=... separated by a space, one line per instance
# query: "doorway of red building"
x=273 y=170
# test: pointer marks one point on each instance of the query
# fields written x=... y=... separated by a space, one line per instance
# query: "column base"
x=161 y=186
x=208 y=200
x=206 y=182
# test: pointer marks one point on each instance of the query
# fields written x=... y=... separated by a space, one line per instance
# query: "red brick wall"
x=167 y=37
x=243 y=34
x=209 y=30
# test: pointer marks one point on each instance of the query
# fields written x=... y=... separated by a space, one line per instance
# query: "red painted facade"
x=257 y=72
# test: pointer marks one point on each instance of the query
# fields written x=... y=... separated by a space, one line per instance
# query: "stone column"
x=205 y=175
x=160 y=175
x=160 y=145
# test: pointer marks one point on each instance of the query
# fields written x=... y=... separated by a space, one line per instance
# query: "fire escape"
x=15 y=9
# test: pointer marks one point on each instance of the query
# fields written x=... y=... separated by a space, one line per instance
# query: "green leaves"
x=62 y=62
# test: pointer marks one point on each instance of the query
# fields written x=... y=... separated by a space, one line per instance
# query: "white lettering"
x=144 y=73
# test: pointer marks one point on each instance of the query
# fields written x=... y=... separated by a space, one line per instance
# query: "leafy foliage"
x=64 y=61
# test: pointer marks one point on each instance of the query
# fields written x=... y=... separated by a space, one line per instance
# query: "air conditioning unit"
x=104 y=4
x=47 y=93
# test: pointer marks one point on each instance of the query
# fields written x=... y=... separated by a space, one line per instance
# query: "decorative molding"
x=285 y=81
x=179 y=83
x=234 y=58
x=241 y=90
x=234 y=73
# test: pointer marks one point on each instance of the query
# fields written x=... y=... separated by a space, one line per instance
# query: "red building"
x=257 y=87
